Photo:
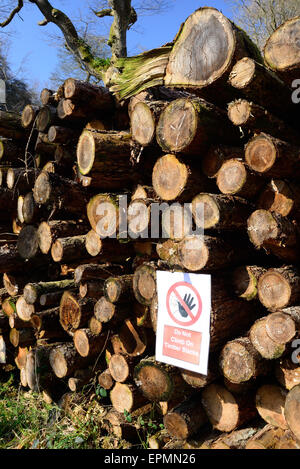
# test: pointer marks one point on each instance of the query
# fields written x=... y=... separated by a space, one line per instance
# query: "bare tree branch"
x=13 y=14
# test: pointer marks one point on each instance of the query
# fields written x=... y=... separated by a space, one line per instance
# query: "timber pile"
x=79 y=307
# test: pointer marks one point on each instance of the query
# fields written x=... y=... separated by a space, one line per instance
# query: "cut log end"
x=169 y=177
x=274 y=290
x=231 y=177
x=242 y=73
x=260 y=154
x=262 y=226
x=142 y=124
x=85 y=152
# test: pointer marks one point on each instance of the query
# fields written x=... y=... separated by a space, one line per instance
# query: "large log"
x=74 y=314
x=282 y=50
x=29 y=114
x=188 y=126
x=46 y=118
x=272 y=157
x=65 y=250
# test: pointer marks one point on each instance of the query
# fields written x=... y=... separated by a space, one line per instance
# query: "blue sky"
x=30 y=46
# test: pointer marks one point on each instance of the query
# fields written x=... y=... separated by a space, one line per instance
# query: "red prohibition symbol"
x=194 y=316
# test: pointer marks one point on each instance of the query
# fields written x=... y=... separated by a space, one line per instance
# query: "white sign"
x=183 y=320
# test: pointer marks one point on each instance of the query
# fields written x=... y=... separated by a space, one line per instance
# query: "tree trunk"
x=33 y=291
x=272 y=157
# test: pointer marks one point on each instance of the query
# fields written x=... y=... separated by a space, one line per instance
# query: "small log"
x=213 y=159
x=174 y=179
x=272 y=158
x=9 y=305
x=96 y=97
x=95 y=326
x=23 y=309
x=287 y=373
x=253 y=118
x=245 y=280
x=270 y=402
x=46 y=117
x=87 y=344
x=225 y=411
x=53 y=189
x=144 y=283
x=273 y=232
x=62 y=135
x=186 y=419
x=30 y=210
x=21 y=337
x=92 y=289
x=197 y=380
x=97 y=271
x=291 y=411
x=281 y=197
x=49 y=232
x=220 y=212
x=267 y=438
x=65 y=360
x=80 y=379
x=127 y=397
x=33 y=291
x=103 y=214
x=107 y=312
x=74 y=314
x=118 y=289
x=13 y=284
x=279 y=288
x=189 y=125
x=121 y=368
x=105 y=380
x=29 y=114
x=20 y=359
x=262 y=342
x=16 y=323
x=260 y=84
x=48 y=97
x=27 y=244
x=68 y=249
x=281 y=327
x=50 y=299
x=160 y=382
x=143 y=120
x=93 y=243
x=47 y=320
x=235 y=179
x=240 y=361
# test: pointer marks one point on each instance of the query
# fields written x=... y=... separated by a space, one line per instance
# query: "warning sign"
x=183 y=320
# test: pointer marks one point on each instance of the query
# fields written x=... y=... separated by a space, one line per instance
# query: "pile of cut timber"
x=80 y=307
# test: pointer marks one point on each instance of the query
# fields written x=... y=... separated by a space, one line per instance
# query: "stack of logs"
x=78 y=306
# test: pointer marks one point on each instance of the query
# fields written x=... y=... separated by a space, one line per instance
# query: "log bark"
x=68 y=249
x=213 y=159
x=21 y=337
x=65 y=360
x=267 y=438
x=272 y=157
x=10 y=152
x=87 y=272
x=80 y=379
x=127 y=397
x=226 y=411
x=234 y=178
x=97 y=98
x=107 y=312
x=46 y=117
x=188 y=126
x=287 y=373
x=240 y=362
x=62 y=135
x=186 y=419
x=92 y=289
x=118 y=289
x=27 y=244
x=279 y=288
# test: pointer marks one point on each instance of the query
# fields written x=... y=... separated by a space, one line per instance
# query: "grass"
x=28 y=422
